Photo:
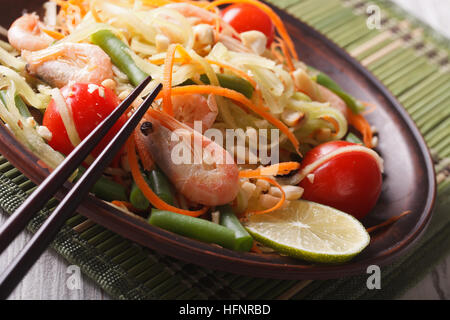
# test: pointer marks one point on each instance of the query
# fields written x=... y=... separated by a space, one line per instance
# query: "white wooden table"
x=49 y=276
x=435 y=12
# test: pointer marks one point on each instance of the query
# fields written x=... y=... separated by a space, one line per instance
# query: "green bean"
x=351 y=137
x=326 y=81
x=227 y=81
x=106 y=189
x=109 y=190
x=191 y=227
x=243 y=240
x=137 y=198
x=160 y=185
x=21 y=106
x=351 y=102
x=117 y=51
x=232 y=82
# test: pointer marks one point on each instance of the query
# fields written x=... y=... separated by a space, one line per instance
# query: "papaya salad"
x=246 y=146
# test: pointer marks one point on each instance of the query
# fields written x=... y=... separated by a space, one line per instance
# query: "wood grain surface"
x=434 y=12
x=49 y=276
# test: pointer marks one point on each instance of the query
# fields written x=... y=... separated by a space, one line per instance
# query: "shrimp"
x=62 y=63
x=195 y=107
x=26 y=34
x=201 y=170
x=197 y=14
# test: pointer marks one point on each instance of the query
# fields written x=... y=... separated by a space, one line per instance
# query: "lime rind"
x=311 y=232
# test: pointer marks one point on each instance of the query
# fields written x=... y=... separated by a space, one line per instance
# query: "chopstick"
x=12 y=275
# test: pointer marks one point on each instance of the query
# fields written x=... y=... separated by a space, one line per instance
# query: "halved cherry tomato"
x=90 y=104
x=349 y=181
x=245 y=17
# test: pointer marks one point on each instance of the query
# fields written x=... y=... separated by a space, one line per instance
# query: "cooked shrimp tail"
x=62 y=63
x=200 y=169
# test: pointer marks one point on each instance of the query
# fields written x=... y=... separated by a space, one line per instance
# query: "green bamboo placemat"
x=408 y=57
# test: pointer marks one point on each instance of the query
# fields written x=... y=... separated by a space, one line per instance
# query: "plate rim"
x=100 y=212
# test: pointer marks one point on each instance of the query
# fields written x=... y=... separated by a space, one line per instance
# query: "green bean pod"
x=195 y=228
x=227 y=81
x=105 y=188
x=232 y=82
x=116 y=49
x=137 y=198
x=352 y=103
x=109 y=190
x=160 y=185
x=243 y=240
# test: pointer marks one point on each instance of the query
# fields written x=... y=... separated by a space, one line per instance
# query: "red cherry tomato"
x=349 y=181
x=89 y=108
x=245 y=17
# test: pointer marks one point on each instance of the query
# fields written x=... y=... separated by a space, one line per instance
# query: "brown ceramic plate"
x=408 y=184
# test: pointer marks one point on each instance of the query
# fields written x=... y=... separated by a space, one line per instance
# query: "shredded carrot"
x=273 y=48
x=80 y=5
x=184 y=54
x=95 y=14
x=167 y=74
x=167 y=79
x=239 y=97
x=161 y=60
x=147 y=191
x=243 y=75
x=216 y=25
x=273 y=170
x=278 y=205
x=283 y=48
x=372 y=106
x=255 y=248
x=239 y=72
x=387 y=222
x=361 y=124
x=123 y=204
x=332 y=121
x=156 y=3
x=55 y=35
x=186 y=59
x=272 y=15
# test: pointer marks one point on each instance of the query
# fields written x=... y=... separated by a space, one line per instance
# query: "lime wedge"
x=310 y=231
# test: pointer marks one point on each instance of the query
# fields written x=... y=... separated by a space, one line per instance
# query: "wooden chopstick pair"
x=13 y=274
